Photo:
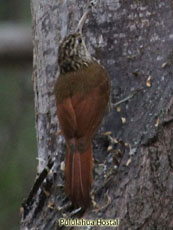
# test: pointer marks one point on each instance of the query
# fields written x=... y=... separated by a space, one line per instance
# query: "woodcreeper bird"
x=82 y=94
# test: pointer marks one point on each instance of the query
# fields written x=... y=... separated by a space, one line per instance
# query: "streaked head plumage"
x=73 y=53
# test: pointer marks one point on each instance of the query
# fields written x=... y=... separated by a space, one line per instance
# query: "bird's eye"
x=79 y=40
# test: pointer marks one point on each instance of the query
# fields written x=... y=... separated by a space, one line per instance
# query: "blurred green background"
x=17 y=126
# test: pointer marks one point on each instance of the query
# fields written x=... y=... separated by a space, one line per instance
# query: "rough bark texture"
x=134 y=40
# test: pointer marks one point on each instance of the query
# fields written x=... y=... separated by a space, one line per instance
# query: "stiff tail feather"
x=78 y=176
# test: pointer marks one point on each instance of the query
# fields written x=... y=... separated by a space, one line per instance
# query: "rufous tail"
x=78 y=176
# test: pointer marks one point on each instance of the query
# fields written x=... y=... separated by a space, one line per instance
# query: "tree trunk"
x=133 y=39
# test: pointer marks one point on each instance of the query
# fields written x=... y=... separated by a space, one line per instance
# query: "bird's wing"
x=81 y=98
x=90 y=103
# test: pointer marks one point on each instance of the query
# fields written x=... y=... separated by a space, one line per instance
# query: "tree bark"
x=133 y=39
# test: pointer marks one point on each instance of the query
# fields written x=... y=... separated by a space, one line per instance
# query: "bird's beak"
x=82 y=22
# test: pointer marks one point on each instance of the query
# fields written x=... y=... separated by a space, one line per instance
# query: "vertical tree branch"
x=133 y=40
